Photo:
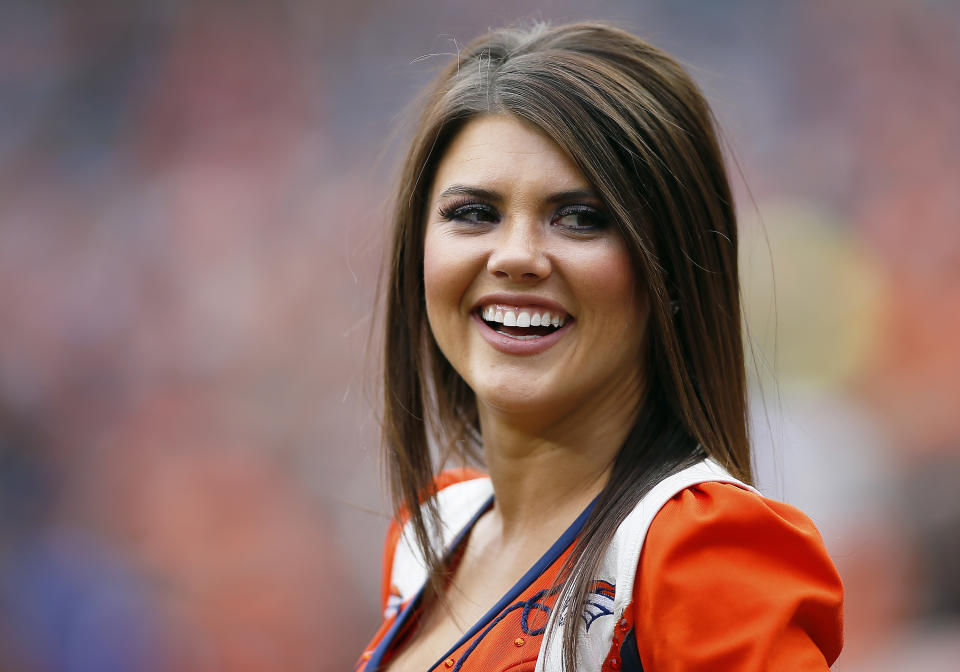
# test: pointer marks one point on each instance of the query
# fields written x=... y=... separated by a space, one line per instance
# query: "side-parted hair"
x=644 y=137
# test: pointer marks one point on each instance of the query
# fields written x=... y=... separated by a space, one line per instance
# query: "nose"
x=519 y=254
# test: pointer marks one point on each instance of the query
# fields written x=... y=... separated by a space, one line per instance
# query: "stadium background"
x=192 y=207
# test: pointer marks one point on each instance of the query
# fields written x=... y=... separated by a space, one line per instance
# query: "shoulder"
x=458 y=493
x=454 y=489
x=450 y=477
x=729 y=575
x=450 y=485
x=723 y=514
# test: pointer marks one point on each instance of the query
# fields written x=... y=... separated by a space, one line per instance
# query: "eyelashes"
x=469 y=211
x=578 y=217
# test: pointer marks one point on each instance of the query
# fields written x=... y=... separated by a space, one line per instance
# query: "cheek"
x=446 y=277
x=612 y=289
x=608 y=278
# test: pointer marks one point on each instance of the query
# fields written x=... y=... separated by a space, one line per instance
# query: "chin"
x=520 y=399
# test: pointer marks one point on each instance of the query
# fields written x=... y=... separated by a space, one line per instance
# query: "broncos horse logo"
x=394 y=602
x=599 y=602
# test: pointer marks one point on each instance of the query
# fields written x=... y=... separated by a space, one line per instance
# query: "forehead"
x=506 y=154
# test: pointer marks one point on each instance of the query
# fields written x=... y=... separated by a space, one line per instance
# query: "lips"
x=521 y=325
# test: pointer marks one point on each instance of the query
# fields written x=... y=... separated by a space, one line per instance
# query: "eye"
x=580 y=218
x=470 y=213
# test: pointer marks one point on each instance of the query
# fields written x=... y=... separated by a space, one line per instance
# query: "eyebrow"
x=488 y=195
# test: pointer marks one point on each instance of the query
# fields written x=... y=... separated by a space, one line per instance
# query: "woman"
x=563 y=305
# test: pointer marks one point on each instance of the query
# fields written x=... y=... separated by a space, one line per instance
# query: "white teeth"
x=522 y=318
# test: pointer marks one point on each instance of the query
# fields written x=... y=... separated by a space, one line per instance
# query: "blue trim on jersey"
x=548 y=558
x=539 y=567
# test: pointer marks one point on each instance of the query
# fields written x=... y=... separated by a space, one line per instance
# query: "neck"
x=546 y=471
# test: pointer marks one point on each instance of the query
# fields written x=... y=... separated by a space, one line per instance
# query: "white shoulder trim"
x=458 y=504
x=619 y=568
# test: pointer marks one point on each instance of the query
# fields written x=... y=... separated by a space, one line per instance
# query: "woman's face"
x=530 y=292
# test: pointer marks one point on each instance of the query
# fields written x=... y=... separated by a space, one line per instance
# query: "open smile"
x=521 y=330
x=522 y=322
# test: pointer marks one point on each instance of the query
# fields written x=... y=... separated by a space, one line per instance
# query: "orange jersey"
x=705 y=575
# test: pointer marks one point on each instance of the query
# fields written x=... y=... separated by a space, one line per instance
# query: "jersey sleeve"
x=729 y=580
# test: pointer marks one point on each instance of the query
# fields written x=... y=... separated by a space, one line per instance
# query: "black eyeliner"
x=455 y=211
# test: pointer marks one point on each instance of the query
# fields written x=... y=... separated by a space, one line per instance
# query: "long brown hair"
x=644 y=138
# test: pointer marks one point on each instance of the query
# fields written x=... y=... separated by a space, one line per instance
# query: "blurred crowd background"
x=193 y=197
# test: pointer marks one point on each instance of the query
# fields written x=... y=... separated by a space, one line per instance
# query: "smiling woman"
x=517 y=232
x=563 y=307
